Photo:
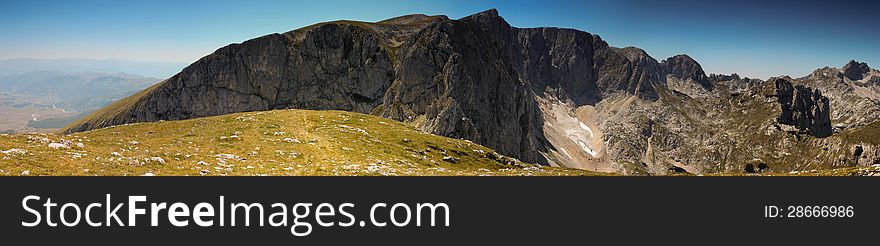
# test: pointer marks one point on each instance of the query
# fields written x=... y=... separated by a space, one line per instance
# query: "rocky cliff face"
x=854 y=103
x=339 y=65
x=446 y=87
x=476 y=78
x=554 y=96
x=804 y=108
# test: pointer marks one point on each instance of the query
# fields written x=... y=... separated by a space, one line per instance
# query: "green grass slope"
x=281 y=142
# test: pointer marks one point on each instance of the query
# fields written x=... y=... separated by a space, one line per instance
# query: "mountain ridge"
x=555 y=96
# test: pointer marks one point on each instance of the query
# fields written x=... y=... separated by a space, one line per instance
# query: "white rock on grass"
x=25 y=173
x=355 y=129
x=230 y=156
x=75 y=155
x=148 y=174
x=156 y=159
x=14 y=152
x=58 y=146
x=246 y=118
x=38 y=139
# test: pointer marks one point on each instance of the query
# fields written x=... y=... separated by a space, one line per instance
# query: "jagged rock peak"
x=635 y=54
x=490 y=16
x=724 y=77
x=803 y=107
x=643 y=63
x=855 y=70
x=489 y=13
x=489 y=22
x=826 y=72
x=684 y=67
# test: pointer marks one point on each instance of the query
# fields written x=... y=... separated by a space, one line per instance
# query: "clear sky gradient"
x=752 y=38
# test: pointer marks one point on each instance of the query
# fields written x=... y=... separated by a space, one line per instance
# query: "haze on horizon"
x=752 y=38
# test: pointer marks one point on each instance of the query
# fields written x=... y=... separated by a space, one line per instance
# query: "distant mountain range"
x=52 y=99
x=552 y=96
x=73 y=65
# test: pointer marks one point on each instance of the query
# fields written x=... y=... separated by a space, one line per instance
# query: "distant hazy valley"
x=44 y=100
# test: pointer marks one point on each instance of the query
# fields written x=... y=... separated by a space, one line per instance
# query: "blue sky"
x=752 y=38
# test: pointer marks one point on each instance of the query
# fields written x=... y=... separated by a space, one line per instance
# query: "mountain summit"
x=855 y=70
x=546 y=95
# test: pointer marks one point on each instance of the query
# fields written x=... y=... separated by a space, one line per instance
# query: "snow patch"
x=566 y=153
x=563 y=121
x=587 y=149
x=587 y=128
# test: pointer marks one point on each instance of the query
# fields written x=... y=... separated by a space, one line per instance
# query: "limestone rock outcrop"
x=855 y=70
x=804 y=108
